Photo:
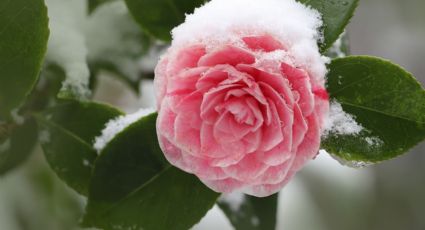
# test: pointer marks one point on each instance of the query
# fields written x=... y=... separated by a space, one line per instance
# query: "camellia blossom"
x=241 y=96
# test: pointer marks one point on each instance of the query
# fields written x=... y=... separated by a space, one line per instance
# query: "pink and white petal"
x=187 y=132
x=212 y=77
x=272 y=134
x=299 y=128
x=190 y=103
x=257 y=113
x=300 y=82
x=321 y=106
x=185 y=81
x=202 y=169
x=278 y=83
x=227 y=55
x=209 y=146
x=166 y=120
x=211 y=103
x=252 y=141
x=228 y=130
x=275 y=174
x=265 y=190
x=310 y=145
x=160 y=81
x=185 y=58
x=263 y=43
x=172 y=153
x=224 y=186
x=231 y=159
x=246 y=169
x=278 y=155
x=285 y=113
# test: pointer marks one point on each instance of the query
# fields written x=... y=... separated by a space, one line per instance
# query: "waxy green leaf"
x=17 y=141
x=23 y=40
x=133 y=186
x=159 y=17
x=336 y=15
x=385 y=100
x=67 y=134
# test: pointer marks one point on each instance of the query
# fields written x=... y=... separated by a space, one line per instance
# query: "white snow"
x=67 y=46
x=108 y=35
x=17 y=117
x=113 y=36
x=115 y=126
x=44 y=136
x=225 y=21
x=234 y=200
x=339 y=122
x=374 y=141
x=86 y=162
x=255 y=221
x=336 y=48
x=5 y=146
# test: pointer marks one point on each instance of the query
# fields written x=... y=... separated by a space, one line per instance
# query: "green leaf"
x=93 y=4
x=385 y=99
x=23 y=40
x=253 y=213
x=159 y=17
x=335 y=15
x=17 y=144
x=68 y=131
x=133 y=187
x=48 y=86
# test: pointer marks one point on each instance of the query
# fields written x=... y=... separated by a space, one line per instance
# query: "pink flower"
x=243 y=113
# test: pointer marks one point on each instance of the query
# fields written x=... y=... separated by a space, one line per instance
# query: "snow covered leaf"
x=160 y=16
x=67 y=133
x=248 y=212
x=23 y=39
x=385 y=100
x=133 y=187
x=335 y=14
x=17 y=141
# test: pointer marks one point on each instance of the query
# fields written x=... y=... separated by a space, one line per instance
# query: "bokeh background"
x=324 y=196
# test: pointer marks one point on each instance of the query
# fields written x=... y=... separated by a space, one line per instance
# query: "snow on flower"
x=241 y=96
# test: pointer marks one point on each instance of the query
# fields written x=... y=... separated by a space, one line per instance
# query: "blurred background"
x=324 y=196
